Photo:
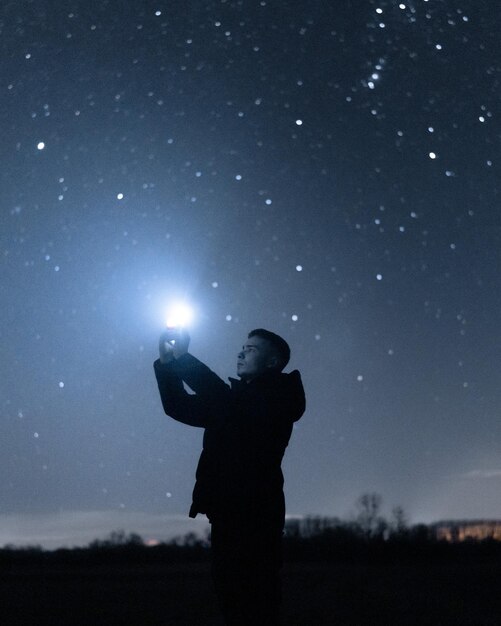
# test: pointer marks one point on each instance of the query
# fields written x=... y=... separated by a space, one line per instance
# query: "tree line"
x=368 y=535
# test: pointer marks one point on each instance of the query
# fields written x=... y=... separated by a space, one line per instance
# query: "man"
x=239 y=481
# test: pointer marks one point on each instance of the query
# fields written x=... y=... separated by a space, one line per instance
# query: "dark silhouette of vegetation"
x=365 y=570
x=367 y=536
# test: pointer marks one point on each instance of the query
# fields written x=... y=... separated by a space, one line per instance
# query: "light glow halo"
x=179 y=315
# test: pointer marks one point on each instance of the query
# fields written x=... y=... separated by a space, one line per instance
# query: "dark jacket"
x=247 y=428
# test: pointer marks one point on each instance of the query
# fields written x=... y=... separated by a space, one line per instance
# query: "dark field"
x=315 y=594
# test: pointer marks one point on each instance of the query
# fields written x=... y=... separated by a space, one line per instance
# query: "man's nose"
x=240 y=355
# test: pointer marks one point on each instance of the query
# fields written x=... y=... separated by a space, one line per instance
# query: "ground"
x=314 y=595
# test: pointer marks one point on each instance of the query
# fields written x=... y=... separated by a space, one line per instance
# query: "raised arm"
x=176 y=401
x=206 y=406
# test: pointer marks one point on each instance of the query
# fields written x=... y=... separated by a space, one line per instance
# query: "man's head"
x=263 y=352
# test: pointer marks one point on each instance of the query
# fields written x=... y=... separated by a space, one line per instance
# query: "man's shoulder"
x=288 y=378
x=281 y=382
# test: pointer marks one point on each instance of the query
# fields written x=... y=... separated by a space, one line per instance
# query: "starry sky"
x=329 y=171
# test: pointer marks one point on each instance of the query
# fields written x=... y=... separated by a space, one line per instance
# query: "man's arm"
x=177 y=403
x=173 y=348
x=177 y=365
x=200 y=378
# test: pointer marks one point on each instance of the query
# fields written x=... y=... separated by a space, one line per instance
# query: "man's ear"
x=272 y=362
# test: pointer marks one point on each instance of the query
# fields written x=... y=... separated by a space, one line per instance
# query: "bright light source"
x=179 y=314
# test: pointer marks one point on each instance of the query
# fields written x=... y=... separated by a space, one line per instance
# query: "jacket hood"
x=295 y=388
x=289 y=388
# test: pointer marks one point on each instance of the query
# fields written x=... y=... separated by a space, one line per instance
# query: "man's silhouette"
x=239 y=481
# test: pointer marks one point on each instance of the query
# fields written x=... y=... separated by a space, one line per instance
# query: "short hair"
x=279 y=344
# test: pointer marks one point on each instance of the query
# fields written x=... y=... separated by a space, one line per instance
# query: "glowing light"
x=432 y=155
x=299 y=122
x=299 y=268
x=151 y=543
x=120 y=196
x=179 y=314
x=40 y=145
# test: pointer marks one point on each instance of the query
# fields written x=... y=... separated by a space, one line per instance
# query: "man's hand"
x=174 y=342
x=165 y=348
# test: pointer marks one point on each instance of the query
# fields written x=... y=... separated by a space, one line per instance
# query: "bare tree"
x=398 y=523
x=117 y=538
x=369 y=518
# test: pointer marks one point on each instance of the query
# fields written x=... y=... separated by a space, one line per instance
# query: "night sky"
x=327 y=170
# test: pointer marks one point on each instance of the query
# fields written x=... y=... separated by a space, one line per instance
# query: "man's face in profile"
x=255 y=358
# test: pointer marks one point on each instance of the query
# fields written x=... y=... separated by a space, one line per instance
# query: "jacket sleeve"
x=200 y=378
x=203 y=408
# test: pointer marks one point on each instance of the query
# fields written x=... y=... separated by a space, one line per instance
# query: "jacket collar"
x=259 y=381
